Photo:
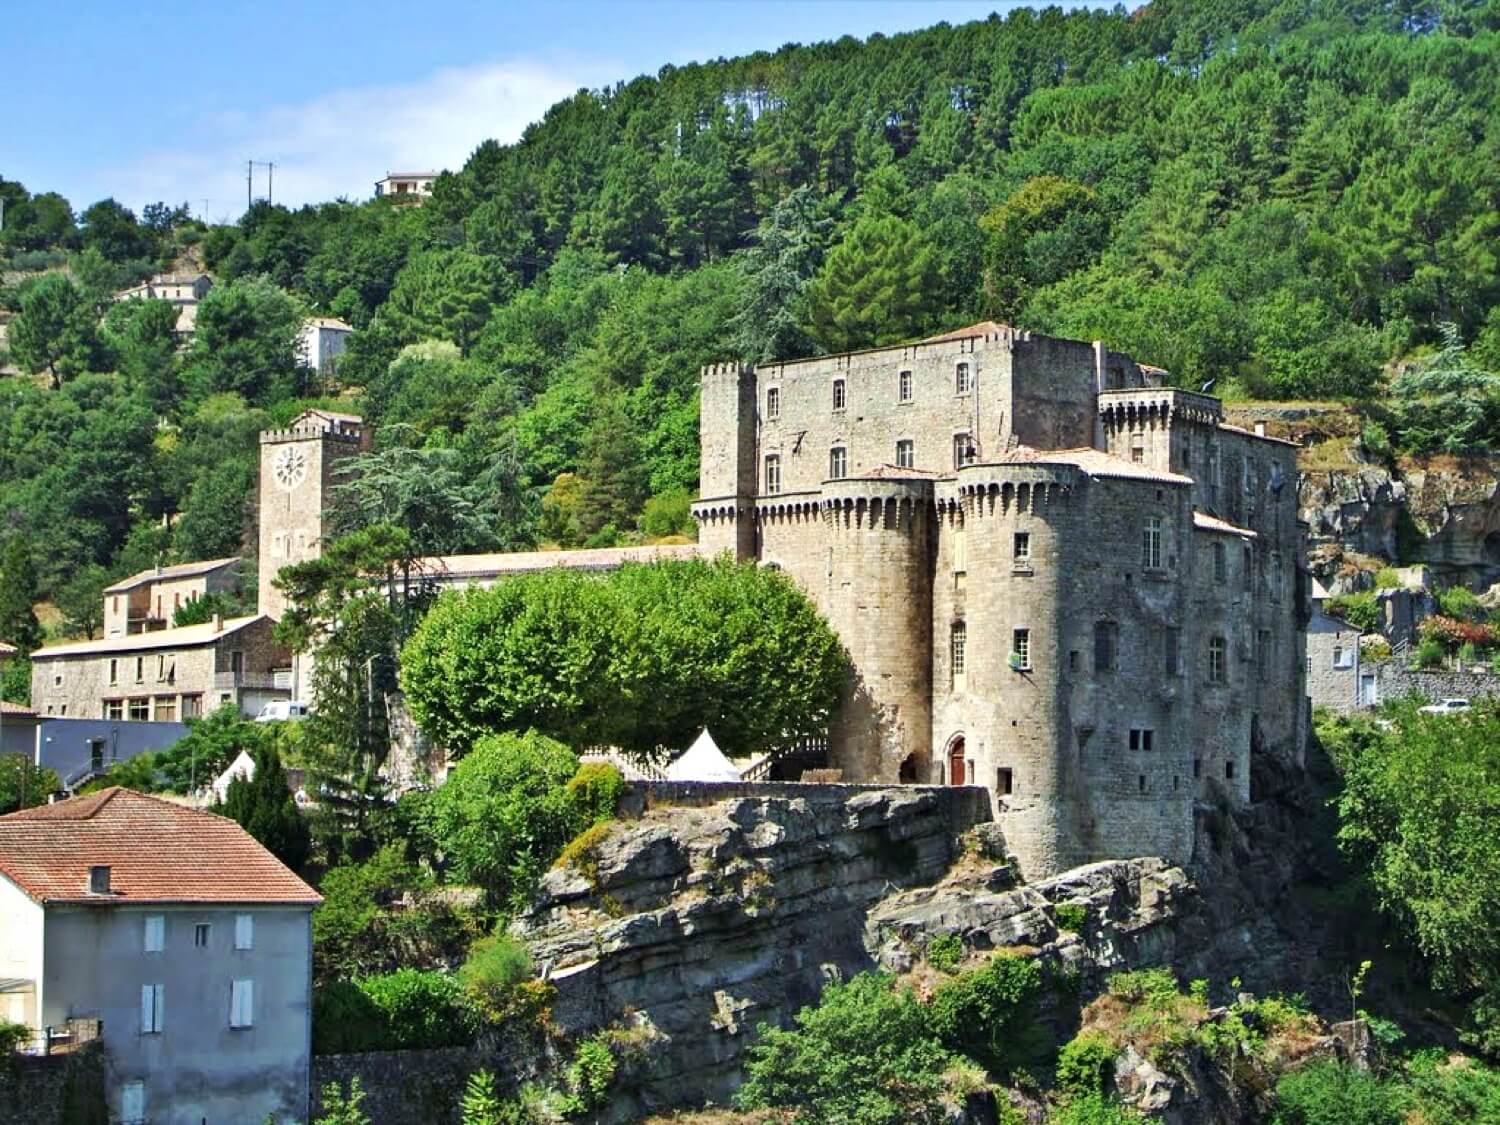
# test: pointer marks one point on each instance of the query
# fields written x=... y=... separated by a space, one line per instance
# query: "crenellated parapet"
x=344 y=434
x=1004 y=488
x=1140 y=407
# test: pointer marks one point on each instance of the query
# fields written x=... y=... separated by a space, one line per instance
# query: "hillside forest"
x=1284 y=199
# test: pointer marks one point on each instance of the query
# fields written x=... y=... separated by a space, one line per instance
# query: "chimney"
x=99 y=879
x=218 y=623
x=1260 y=429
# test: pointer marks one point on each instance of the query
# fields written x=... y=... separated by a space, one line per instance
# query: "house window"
x=242 y=1003
x=1343 y=657
x=114 y=709
x=114 y=671
x=1022 y=547
x=960 y=549
x=959 y=645
x=140 y=669
x=192 y=706
x=153 y=1008
x=164 y=669
x=1247 y=476
x=1221 y=563
x=1138 y=448
x=1151 y=544
x=1104 y=646
x=964 y=452
x=838 y=463
x=773 y=474
x=201 y=934
x=903 y=387
x=773 y=403
x=244 y=931
x=1140 y=783
x=1171 y=661
x=906 y=454
x=1141 y=738
x=156 y=933
x=140 y=710
x=840 y=394
x=1020 y=648
x=963 y=378
x=1218 y=660
x=133 y=1103
x=1073 y=660
x=1005 y=781
x=1229 y=770
x=165 y=709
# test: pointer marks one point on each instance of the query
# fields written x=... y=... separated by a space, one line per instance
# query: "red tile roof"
x=157 y=852
x=983 y=328
x=171 y=573
x=457 y=567
x=16 y=710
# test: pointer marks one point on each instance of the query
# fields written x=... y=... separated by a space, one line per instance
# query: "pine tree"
x=875 y=288
x=18 y=593
x=264 y=807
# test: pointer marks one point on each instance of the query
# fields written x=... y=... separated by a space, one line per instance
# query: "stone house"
x=146 y=601
x=166 y=675
x=1056 y=576
x=184 y=290
x=320 y=341
x=1334 y=676
x=172 y=931
x=406 y=186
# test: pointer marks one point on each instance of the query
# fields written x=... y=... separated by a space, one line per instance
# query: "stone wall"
x=56 y=1089
x=1394 y=681
x=416 y=1087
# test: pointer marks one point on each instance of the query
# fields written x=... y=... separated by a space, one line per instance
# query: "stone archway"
x=906 y=774
x=957 y=771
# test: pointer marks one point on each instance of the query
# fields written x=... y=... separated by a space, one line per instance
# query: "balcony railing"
x=269 y=681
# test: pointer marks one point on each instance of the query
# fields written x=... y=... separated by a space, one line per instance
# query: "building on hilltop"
x=1055 y=576
x=147 y=601
x=407 y=187
x=184 y=290
x=176 y=938
x=320 y=341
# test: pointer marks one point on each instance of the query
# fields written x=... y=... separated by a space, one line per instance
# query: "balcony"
x=256 y=681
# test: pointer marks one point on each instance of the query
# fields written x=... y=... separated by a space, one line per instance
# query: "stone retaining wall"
x=1395 y=682
x=964 y=806
x=56 y=1089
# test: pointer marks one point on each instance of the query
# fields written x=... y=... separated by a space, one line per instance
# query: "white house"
x=413 y=186
x=185 y=290
x=321 y=340
x=176 y=935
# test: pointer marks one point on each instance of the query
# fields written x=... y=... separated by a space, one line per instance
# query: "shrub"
x=592 y=1071
x=1460 y=602
x=1071 y=916
x=419 y=1009
x=345 y=1020
x=1362 y=610
x=670 y=513
x=1085 y=1064
x=945 y=952
x=1375 y=439
x=596 y=791
x=865 y=1053
x=343 y=1109
x=1156 y=988
x=353 y=928
x=480 y=1106
x=582 y=852
x=496 y=967
x=1429 y=654
x=989 y=1014
x=1333 y=1093
x=1386 y=578
x=1094 y=1109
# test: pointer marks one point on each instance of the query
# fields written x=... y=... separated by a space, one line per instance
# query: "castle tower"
x=727 y=483
x=298 y=468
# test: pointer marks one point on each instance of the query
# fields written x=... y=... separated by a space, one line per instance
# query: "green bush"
x=13 y=1036
x=1085 y=1064
x=405 y=1010
x=1428 y=654
x=670 y=513
x=1071 y=916
x=480 y=1106
x=1460 y=602
x=1386 y=578
x=1094 y=1109
x=865 y=1054
x=345 y=1020
x=1362 y=610
x=989 y=1014
x=340 y=1108
x=1333 y=1093
x=1376 y=440
x=591 y=1071
x=494 y=970
x=596 y=791
x=945 y=952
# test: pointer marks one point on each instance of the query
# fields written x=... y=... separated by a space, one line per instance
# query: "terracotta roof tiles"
x=157 y=852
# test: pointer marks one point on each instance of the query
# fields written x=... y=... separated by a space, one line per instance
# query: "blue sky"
x=167 y=100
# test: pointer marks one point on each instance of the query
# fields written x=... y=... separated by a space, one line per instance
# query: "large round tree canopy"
x=642 y=658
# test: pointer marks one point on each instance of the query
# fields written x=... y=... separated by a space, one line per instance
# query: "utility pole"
x=270 y=181
x=249 y=171
x=270 y=167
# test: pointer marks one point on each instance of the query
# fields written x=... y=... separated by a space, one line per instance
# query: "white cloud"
x=340 y=143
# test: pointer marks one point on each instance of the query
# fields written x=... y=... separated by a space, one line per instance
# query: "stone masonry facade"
x=1055 y=576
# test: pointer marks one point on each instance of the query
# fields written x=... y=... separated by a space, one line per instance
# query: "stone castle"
x=1056 y=577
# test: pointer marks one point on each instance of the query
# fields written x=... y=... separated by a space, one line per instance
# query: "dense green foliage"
x=189 y=764
x=408 y=1009
x=1281 y=195
x=263 y=805
x=642 y=658
x=24 y=785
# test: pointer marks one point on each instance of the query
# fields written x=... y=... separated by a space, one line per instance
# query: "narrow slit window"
x=840 y=394
x=906 y=454
x=773 y=403
x=903 y=387
x=838 y=463
x=773 y=474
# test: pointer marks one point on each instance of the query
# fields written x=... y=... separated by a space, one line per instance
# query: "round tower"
x=879 y=601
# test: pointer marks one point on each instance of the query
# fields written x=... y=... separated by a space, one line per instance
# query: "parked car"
x=283 y=711
x=1446 y=707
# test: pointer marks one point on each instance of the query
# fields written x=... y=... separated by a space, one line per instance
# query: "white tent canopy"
x=242 y=766
x=703 y=761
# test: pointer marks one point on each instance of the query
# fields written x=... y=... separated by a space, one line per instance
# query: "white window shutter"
x=161 y=1006
x=133 y=1101
x=244 y=931
x=241 y=1003
x=156 y=926
x=148 y=1008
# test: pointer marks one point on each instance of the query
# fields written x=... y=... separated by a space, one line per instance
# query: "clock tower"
x=299 y=467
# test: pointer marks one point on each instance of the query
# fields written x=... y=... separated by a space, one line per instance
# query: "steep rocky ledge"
x=703 y=921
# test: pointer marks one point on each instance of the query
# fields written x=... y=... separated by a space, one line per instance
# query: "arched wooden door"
x=956 y=762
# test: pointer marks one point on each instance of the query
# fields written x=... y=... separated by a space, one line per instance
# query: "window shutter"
x=241 y=1003
x=244 y=931
x=133 y=1101
x=155 y=933
x=148 y=1008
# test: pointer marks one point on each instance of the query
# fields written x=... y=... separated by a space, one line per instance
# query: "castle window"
x=1197 y=767
x=1138 y=448
x=114 y=671
x=1171 y=662
x=1215 y=475
x=1073 y=660
x=959 y=641
x=903 y=387
x=1247 y=475
x=1248 y=562
x=840 y=394
x=773 y=474
x=140 y=669
x=960 y=549
x=1221 y=563
x=1263 y=654
x=1229 y=769
x=964 y=452
x=1023 y=547
x=1020 y=649
x=1141 y=738
x=838 y=463
x=1218 y=660
x=1005 y=782
x=1104 y=646
x=906 y=454
x=1140 y=783
x=963 y=379
x=773 y=403
x=1151 y=544
x=1273 y=577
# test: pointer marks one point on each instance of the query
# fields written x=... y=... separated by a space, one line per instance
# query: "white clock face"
x=290 y=467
